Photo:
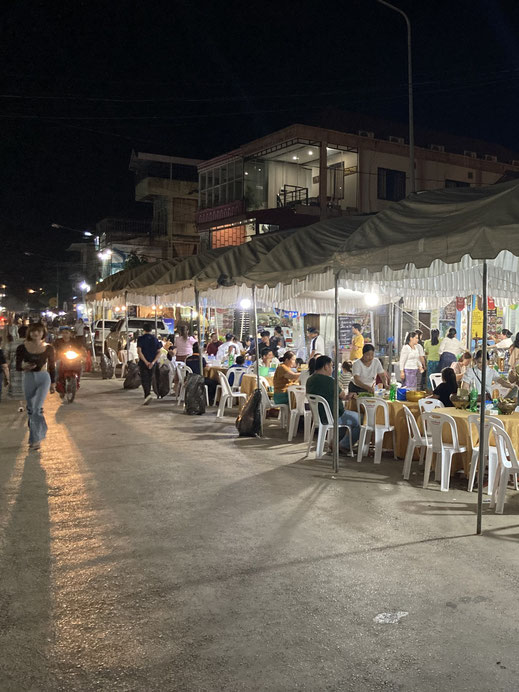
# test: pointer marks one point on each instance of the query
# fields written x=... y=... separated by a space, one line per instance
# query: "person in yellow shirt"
x=357 y=343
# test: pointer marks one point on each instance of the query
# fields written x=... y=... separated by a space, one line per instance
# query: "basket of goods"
x=506 y=406
x=460 y=400
x=415 y=396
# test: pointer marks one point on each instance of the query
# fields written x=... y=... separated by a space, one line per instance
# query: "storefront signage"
x=224 y=211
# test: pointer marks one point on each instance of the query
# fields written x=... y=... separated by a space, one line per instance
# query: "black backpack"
x=133 y=378
x=107 y=369
x=160 y=380
x=194 y=396
x=249 y=420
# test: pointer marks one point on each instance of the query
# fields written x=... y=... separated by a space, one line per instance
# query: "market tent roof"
x=447 y=233
x=310 y=250
x=161 y=277
x=116 y=282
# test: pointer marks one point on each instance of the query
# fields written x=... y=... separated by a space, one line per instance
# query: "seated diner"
x=284 y=376
x=365 y=371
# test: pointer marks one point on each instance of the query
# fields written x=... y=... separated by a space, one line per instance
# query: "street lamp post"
x=412 y=179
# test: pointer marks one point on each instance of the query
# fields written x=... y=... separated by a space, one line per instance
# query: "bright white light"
x=117 y=309
x=371 y=299
x=153 y=307
x=195 y=313
x=87 y=234
x=245 y=303
x=84 y=286
x=423 y=305
x=295 y=158
x=310 y=153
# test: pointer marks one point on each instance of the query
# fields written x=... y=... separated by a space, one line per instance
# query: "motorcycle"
x=69 y=373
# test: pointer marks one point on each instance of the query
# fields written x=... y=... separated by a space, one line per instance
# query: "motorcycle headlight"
x=71 y=355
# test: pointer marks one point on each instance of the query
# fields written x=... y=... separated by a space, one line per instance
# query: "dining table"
x=211 y=371
x=249 y=383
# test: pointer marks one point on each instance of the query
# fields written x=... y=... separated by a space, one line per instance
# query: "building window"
x=391 y=184
x=221 y=185
x=456 y=183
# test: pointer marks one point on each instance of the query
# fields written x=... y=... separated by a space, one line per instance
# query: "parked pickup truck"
x=116 y=338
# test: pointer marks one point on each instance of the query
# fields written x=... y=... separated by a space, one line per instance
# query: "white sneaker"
x=147 y=400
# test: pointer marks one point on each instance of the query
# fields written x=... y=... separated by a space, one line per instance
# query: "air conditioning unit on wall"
x=471 y=154
x=489 y=157
x=365 y=133
x=436 y=147
x=396 y=140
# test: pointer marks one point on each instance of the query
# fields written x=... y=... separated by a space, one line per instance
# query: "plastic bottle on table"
x=393 y=386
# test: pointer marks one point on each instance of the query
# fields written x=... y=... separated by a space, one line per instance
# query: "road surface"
x=146 y=550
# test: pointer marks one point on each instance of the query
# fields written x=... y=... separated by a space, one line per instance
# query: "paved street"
x=146 y=550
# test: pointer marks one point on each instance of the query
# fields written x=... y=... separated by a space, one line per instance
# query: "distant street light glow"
x=245 y=303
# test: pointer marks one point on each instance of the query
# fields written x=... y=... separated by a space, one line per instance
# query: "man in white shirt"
x=365 y=371
x=472 y=377
x=316 y=343
x=223 y=350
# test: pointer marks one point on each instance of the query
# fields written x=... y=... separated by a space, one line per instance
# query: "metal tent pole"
x=92 y=336
x=199 y=323
x=481 y=455
x=336 y=378
x=391 y=340
x=156 y=322
x=255 y=320
x=127 y=331
x=103 y=310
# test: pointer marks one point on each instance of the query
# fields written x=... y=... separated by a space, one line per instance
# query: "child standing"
x=346 y=375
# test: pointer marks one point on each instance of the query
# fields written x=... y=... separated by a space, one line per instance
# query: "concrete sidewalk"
x=146 y=550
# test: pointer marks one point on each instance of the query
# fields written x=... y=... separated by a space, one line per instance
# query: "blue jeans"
x=36 y=387
x=350 y=418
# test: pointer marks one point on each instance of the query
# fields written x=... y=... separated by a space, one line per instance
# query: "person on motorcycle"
x=66 y=342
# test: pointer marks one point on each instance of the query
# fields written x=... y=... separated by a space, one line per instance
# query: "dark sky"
x=82 y=83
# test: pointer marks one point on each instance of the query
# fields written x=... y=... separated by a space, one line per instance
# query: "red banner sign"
x=491 y=304
x=460 y=304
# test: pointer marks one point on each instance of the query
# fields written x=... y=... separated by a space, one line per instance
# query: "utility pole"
x=412 y=177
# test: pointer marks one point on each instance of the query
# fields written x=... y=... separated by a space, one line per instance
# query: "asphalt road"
x=146 y=550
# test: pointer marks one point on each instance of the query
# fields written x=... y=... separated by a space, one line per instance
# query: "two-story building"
x=170 y=184
x=298 y=175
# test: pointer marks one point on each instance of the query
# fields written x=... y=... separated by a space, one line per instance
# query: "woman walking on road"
x=35 y=359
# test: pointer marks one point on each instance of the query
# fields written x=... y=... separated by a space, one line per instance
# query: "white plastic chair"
x=427 y=405
x=435 y=379
x=296 y=405
x=227 y=396
x=508 y=465
x=237 y=373
x=416 y=439
x=490 y=459
x=433 y=425
x=267 y=404
x=371 y=428
x=323 y=429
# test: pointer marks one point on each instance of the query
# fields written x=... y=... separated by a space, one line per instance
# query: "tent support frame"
x=481 y=455
x=336 y=376
x=199 y=322
x=255 y=321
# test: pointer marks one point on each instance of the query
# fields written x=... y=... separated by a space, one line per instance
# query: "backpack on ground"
x=194 y=396
x=248 y=422
x=133 y=378
x=161 y=380
x=107 y=369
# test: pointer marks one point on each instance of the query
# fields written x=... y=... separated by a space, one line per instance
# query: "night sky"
x=82 y=83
